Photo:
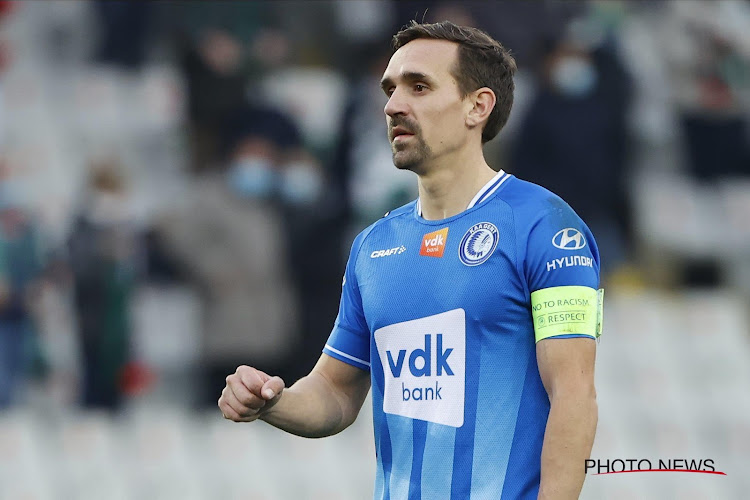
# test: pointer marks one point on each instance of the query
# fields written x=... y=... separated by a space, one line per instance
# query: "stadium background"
x=139 y=265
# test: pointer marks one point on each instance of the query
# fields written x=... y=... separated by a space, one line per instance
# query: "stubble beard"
x=411 y=156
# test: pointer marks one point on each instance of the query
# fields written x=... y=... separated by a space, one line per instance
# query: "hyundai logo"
x=569 y=239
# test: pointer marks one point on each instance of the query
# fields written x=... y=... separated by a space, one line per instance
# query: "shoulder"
x=398 y=212
x=531 y=202
x=385 y=223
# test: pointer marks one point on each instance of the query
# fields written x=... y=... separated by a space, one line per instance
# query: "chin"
x=404 y=162
x=411 y=157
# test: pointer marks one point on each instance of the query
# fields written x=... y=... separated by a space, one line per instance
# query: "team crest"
x=478 y=243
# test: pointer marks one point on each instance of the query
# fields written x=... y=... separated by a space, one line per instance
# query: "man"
x=472 y=311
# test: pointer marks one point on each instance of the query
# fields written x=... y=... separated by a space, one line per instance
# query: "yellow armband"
x=566 y=310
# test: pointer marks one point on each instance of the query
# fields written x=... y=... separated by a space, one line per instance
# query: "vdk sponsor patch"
x=424 y=367
x=433 y=244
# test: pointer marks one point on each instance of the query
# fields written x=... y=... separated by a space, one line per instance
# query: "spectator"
x=103 y=257
x=212 y=45
x=230 y=236
x=21 y=265
x=707 y=55
x=573 y=140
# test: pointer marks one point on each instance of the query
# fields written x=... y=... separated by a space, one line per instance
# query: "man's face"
x=425 y=112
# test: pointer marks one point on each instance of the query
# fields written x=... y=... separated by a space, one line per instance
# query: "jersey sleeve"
x=561 y=269
x=350 y=339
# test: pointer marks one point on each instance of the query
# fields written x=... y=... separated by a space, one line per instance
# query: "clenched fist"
x=249 y=393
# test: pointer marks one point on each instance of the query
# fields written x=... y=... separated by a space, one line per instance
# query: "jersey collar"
x=483 y=193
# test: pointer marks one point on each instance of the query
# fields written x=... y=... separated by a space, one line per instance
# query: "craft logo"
x=599 y=467
x=423 y=364
x=433 y=244
x=390 y=251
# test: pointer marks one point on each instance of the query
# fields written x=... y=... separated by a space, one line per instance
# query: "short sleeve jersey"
x=439 y=312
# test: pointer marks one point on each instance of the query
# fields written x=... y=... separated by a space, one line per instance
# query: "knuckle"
x=255 y=403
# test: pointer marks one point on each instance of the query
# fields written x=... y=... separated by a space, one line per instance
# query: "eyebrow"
x=409 y=76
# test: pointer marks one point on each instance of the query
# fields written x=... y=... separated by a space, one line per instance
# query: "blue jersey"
x=439 y=312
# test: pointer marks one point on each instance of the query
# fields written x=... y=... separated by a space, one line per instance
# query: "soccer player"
x=472 y=312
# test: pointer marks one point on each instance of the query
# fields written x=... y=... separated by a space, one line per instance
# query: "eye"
x=419 y=87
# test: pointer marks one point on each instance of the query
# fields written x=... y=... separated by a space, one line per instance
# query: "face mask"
x=107 y=208
x=252 y=177
x=301 y=184
x=574 y=76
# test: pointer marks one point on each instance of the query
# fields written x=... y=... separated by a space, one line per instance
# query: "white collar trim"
x=483 y=193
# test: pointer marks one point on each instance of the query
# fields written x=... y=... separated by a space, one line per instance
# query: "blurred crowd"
x=180 y=181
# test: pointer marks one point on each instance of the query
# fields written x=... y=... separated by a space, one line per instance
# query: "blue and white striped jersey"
x=439 y=312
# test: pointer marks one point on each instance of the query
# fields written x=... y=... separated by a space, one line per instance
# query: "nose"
x=396 y=104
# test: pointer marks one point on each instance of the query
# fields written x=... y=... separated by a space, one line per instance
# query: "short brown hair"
x=482 y=62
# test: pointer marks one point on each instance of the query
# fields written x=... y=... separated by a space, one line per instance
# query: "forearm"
x=313 y=408
x=568 y=439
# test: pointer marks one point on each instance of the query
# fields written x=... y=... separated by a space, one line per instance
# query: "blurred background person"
x=229 y=233
x=573 y=138
x=21 y=268
x=212 y=45
x=707 y=56
x=103 y=254
x=315 y=219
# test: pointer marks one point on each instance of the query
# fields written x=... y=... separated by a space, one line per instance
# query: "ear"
x=483 y=102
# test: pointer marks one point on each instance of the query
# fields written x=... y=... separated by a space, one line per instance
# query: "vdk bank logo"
x=424 y=367
x=569 y=239
x=433 y=244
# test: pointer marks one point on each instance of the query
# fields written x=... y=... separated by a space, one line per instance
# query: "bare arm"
x=567 y=370
x=323 y=403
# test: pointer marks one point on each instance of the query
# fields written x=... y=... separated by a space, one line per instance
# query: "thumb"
x=272 y=388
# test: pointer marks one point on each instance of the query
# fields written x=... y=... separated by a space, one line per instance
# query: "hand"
x=249 y=394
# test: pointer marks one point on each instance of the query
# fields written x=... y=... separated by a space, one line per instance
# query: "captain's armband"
x=567 y=310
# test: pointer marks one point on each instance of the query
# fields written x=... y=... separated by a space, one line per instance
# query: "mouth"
x=400 y=133
x=402 y=137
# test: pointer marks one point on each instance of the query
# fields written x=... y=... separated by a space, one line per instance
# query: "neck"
x=448 y=185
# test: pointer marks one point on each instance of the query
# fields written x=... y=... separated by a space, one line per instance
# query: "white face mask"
x=108 y=208
x=574 y=76
x=252 y=177
x=301 y=184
